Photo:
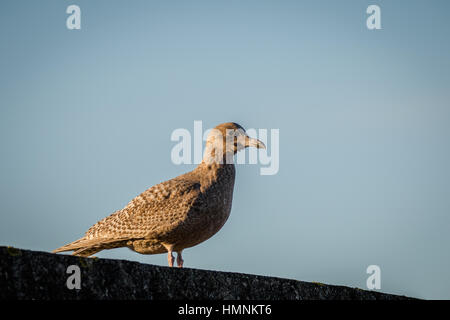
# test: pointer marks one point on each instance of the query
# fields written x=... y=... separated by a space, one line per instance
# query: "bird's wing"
x=154 y=212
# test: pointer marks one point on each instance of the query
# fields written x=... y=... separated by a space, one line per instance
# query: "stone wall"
x=26 y=274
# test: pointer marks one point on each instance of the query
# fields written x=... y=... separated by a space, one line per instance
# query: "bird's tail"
x=77 y=244
x=85 y=247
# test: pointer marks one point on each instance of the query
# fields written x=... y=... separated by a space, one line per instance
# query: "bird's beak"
x=251 y=142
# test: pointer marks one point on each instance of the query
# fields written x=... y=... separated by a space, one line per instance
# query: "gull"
x=178 y=213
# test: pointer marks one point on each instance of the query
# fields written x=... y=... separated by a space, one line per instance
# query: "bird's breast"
x=212 y=209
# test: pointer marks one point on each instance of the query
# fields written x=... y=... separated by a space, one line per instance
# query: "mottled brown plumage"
x=178 y=213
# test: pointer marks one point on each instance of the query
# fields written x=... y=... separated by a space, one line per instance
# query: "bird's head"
x=226 y=139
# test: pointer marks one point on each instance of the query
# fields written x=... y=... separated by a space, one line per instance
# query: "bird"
x=179 y=213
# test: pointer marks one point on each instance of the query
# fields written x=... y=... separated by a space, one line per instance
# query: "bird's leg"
x=170 y=258
x=169 y=248
x=179 y=260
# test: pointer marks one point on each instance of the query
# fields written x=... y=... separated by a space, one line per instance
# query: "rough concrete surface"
x=26 y=274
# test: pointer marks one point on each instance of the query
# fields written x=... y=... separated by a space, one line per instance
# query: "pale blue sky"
x=364 y=119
